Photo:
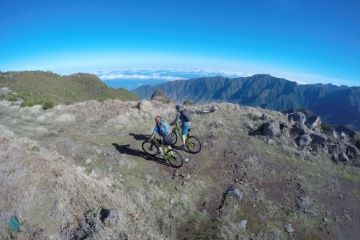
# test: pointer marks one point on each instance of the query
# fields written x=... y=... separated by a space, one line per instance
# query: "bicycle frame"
x=166 y=151
x=179 y=131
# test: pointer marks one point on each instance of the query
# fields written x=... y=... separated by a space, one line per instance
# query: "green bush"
x=11 y=98
x=325 y=127
x=28 y=102
x=47 y=104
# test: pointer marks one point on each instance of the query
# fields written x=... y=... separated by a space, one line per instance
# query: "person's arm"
x=176 y=118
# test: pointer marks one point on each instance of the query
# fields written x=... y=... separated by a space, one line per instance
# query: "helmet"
x=178 y=107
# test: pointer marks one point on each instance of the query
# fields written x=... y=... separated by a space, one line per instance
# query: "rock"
x=335 y=134
x=313 y=122
x=284 y=125
x=149 y=178
x=159 y=95
x=303 y=202
x=299 y=128
x=144 y=105
x=352 y=151
x=297 y=117
x=236 y=192
x=304 y=140
x=271 y=142
x=318 y=138
x=88 y=161
x=289 y=228
x=342 y=157
x=188 y=176
x=264 y=117
x=334 y=148
x=172 y=201
x=271 y=129
x=343 y=136
x=242 y=224
x=317 y=130
x=109 y=217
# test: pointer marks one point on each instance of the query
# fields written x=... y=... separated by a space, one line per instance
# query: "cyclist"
x=185 y=117
x=163 y=129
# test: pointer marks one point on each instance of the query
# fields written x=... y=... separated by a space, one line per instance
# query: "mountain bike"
x=192 y=143
x=170 y=155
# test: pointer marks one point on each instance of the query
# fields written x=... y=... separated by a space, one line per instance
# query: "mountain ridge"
x=266 y=91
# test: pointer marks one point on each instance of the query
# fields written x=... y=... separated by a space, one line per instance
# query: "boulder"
x=352 y=151
x=108 y=217
x=342 y=157
x=343 y=136
x=303 y=140
x=288 y=228
x=334 y=149
x=303 y=202
x=271 y=129
x=335 y=134
x=284 y=125
x=297 y=117
x=313 y=122
x=144 y=105
x=318 y=138
x=299 y=128
x=159 y=95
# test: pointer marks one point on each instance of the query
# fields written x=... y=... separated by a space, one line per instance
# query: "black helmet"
x=178 y=107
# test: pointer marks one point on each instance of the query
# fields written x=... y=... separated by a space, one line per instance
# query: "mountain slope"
x=37 y=86
x=341 y=107
x=264 y=91
x=61 y=167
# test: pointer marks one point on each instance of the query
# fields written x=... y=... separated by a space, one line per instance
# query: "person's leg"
x=184 y=131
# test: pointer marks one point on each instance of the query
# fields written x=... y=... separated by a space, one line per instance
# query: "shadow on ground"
x=140 y=137
x=125 y=149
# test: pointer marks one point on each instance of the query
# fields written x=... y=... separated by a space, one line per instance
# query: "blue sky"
x=306 y=41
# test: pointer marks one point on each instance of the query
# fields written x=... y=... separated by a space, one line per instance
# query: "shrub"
x=325 y=127
x=28 y=102
x=47 y=104
x=11 y=98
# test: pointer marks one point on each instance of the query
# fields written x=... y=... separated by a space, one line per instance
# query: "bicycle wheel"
x=193 y=144
x=174 y=136
x=174 y=158
x=150 y=148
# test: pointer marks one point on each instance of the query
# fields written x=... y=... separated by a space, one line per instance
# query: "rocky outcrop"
x=308 y=136
x=159 y=95
x=297 y=117
x=313 y=122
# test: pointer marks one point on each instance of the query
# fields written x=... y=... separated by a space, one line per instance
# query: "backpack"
x=164 y=128
x=186 y=115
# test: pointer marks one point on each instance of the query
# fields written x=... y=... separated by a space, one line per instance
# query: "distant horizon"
x=133 y=77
